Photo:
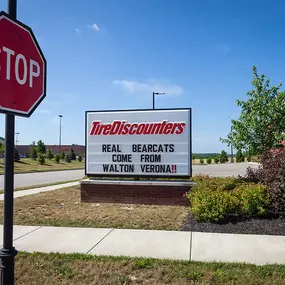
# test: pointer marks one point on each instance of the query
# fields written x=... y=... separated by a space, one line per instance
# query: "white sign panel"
x=150 y=143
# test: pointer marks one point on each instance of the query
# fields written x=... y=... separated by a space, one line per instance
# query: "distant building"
x=78 y=149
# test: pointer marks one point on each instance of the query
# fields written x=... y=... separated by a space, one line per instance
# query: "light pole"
x=60 y=117
x=153 y=98
x=232 y=154
x=17 y=138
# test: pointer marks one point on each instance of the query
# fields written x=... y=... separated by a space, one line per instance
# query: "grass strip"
x=74 y=269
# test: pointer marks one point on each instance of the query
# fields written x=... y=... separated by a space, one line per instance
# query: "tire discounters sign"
x=144 y=143
x=22 y=68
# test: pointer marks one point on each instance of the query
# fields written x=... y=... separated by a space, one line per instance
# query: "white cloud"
x=77 y=31
x=149 y=87
x=94 y=27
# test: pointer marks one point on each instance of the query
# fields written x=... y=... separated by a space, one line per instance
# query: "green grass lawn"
x=29 y=165
x=79 y=269
x=63 y=208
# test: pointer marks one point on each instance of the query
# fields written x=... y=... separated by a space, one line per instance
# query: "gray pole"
x=8 y=252
x=153 y=98
x=232 y=154
x=60 y=116
x=17 y=138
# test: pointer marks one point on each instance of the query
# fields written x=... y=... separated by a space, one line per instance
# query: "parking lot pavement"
x=223 y=170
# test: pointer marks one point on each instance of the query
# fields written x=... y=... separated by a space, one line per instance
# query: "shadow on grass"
x=21 y=162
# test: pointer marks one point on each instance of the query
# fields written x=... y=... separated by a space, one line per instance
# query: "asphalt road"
x=29 y=179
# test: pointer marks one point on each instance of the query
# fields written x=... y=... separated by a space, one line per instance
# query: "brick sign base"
x=135 y=192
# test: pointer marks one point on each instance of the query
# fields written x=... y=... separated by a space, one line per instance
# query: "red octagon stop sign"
x=22 y=68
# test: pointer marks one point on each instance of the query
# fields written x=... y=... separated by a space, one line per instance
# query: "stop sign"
x=22 y=68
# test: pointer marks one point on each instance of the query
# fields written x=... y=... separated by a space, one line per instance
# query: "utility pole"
x=17 y=138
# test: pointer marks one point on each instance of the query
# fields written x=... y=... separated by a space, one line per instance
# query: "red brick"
x=134 y=194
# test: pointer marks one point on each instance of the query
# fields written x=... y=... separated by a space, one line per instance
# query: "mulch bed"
x=253 y=226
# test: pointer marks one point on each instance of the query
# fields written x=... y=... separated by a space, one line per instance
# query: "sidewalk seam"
x=24 y=235
x=99 y=241
x=190 y=246
x=28 y=233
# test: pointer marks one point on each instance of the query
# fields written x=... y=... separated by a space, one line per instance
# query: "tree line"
x=39 y=152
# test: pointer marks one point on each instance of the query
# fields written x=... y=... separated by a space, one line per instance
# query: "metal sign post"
x=8 y=252
x=19 y=96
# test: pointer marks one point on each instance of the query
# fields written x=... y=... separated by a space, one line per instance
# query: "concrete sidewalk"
x=40 y=189
x=190 y=246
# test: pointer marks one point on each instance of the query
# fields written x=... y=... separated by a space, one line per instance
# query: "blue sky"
x=111 y=54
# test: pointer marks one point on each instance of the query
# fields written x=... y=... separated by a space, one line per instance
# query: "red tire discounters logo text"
x=124 y=128
x=22 y=68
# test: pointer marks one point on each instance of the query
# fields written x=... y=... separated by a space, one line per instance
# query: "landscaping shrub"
x=212 y=206
x=273 y=176
x=79 y=158
x=215 y=183
x=216 y=160
x=253 y=175
x=239 y=156
x=216 y=199
x=248 y=159
x=41 y=158
x=209 y=160
x=57 y=158
x=202 y=160
x=224 y=157
x=254 y=199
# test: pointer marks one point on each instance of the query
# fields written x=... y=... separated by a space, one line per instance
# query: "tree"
x=49 y=154
x=224 y=157
x=16 y=155
x=72 y=154
x=33 y=152
x=239 y=156
x=193 y=157
x=79 y=158
x=209 y=160
x=261 y=124
x=41 y=158
x=2 y=149
x=62 y=155
x=216 y=159
x=41 y=147
x=68 y=158
x=57 y=158
x=202 y=160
